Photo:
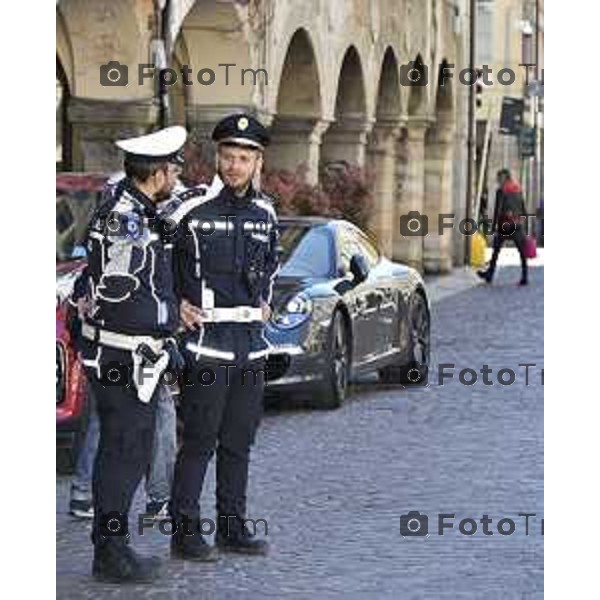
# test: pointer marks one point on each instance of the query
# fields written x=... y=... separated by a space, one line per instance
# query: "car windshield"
x=306 y=251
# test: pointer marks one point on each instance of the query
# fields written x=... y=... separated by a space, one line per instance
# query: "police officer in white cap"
x=225 y=267
x=132 y=310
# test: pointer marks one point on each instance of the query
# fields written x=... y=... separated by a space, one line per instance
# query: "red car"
x=77 y=195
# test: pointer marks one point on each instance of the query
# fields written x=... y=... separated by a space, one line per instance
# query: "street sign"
x=535 y=88
x=527 y=142
x=511 y=118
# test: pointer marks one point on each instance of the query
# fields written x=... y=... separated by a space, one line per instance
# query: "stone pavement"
x=333 y=485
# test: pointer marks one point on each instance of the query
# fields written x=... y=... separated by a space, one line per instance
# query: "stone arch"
x=179 y=93
x=444 y=97
x=63 y=126
x=351 y=98
x=214 y=35
x=297 y=126
x=64 y=91
x=299 y=89
x=417 y=98
x=99 y=32
x=64 y=50
x=345 y=140
x=389 y=103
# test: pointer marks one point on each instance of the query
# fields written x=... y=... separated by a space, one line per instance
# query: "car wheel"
x=416 y=370
x=334 y=389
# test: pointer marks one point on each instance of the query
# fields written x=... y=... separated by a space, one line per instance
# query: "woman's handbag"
x=530 y=249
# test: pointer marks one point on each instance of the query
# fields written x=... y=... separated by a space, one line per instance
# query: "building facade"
x=506 y=39
x=329 y=77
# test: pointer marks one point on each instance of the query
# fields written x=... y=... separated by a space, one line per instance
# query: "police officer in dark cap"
x=129 y=309
x=226 y=262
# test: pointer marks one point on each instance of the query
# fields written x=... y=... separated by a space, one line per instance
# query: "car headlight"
x=295 y=312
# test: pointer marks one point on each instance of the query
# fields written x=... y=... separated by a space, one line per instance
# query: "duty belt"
x=237 y=314
x=120 y=341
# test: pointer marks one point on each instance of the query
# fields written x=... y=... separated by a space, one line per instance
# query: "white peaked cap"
x=163 y=142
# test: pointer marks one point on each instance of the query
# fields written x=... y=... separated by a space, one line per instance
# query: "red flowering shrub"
x=293 y=196
x=343 y=192
x=349 y=190
x=196 y=169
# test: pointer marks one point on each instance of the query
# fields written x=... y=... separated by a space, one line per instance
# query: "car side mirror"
x=78 y=251
x=359 y=268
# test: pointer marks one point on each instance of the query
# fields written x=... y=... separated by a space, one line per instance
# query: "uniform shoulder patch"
x=193 y=192
x=190 y=200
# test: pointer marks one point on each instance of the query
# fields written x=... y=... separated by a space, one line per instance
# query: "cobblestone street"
x=333 y=485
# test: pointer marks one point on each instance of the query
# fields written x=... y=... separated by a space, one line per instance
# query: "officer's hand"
x=266 y=311
x=83 y=308
x=191 y=316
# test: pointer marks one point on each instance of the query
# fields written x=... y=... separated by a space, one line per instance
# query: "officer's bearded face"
x=166 y=179
x=237 y=166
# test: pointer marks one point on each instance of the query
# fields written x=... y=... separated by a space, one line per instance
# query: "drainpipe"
x=471 y=129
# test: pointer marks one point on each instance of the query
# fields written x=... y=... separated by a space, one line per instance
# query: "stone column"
x=346 y=140
x=96 y=124
x=296 y=141
x=409 y=248
x=438 y=244
x=382 y=162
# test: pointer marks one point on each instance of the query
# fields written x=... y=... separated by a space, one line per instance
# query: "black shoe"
x=116 y=562
x=523 y=282
x=193 y=546
x=82 y=509
x=485 y=276
x=241 y=542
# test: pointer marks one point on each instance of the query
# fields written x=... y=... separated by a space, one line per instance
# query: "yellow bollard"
x=478 y=248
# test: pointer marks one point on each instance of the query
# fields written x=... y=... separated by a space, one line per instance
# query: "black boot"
x=485 y=276
x=116 y=562
x=233 y=536
x=188 y=543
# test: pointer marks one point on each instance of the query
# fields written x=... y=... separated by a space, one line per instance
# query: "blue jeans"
x=160 y=471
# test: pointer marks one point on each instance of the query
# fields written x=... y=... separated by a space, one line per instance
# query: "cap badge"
x=242 y=124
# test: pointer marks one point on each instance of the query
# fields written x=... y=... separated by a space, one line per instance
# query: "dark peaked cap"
x=242 y=130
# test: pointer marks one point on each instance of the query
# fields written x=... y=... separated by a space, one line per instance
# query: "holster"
x=147 y=371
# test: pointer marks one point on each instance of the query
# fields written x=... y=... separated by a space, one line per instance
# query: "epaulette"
x=193 y=192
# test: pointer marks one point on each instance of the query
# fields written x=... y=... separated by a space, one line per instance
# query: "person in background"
x=507 y=224
x=160 y=471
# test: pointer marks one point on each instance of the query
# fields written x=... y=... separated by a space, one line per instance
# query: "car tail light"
x=60 y=372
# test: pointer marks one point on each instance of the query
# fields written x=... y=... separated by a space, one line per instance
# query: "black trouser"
x=124 y=450
x=518 y=237
x=223 y=415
